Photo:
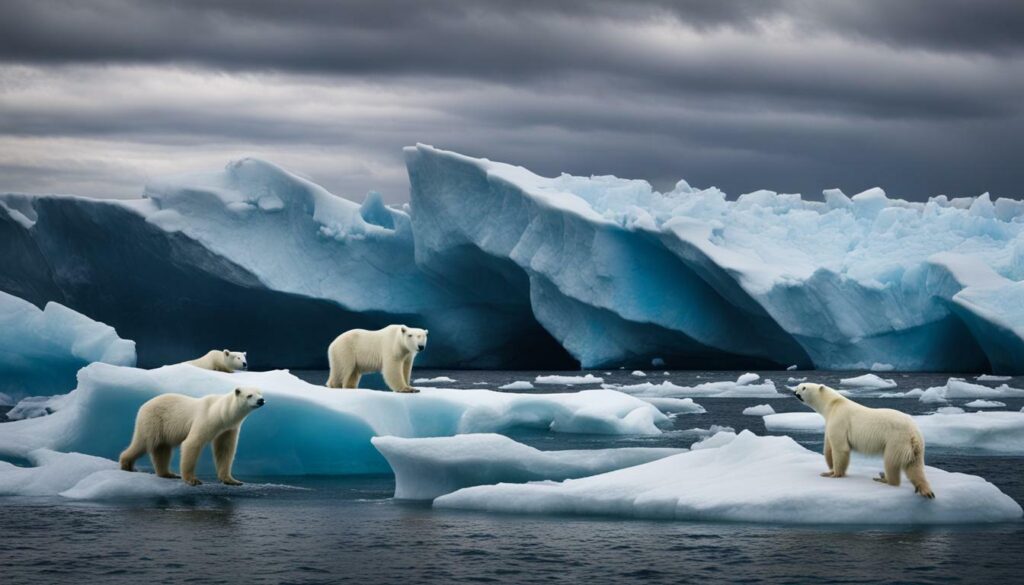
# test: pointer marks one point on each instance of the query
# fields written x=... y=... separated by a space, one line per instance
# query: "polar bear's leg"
x=407 y=370
x=394 y=375
x=915 y=473
x=129 y=455
x=828 y=459
x=161 y=457
x=840 y=460
x=190 y=451
x=224 y=455
x=351 y=378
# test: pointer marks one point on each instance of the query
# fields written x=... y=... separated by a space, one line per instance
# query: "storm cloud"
x=919 y=97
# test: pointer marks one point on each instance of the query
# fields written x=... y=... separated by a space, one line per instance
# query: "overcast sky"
x=920 y=97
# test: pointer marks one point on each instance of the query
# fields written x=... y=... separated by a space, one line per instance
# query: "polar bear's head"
x=817 y=396
x=235 y=360
x=413 y=339
x=249 y=398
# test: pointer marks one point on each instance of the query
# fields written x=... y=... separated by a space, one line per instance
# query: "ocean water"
x=340 y=530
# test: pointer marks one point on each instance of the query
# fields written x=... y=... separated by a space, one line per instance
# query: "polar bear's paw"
x=828 y=473
x=231 y=481
x=193 y=481
x=408 y=390
x=169 y=475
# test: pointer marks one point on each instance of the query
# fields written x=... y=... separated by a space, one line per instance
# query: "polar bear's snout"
x=796 y=392
x=260 y=402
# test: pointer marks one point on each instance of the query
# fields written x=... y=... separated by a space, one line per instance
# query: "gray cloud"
x=789 y=95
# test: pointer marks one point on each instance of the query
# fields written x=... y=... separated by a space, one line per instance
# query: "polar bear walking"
x=851 y=426
x=170 y=420
x=390 y=350
x=221 y=360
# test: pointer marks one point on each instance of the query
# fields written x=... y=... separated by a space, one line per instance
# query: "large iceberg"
x=307 y=429
x=621 y=274
x=427 y=468
x=749 y=479
x=41 y=350
x=995 y=432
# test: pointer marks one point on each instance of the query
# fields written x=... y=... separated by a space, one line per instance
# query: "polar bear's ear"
x=821 y=387
x=226 y=352
x=425 y=331
x=403 y=328
x=238 y=391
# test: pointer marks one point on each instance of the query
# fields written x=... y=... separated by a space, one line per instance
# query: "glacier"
x=308 y=429
x=992 y=431
x=430 y=467
x=513 y=270
x=714 y=484
x=41 y=350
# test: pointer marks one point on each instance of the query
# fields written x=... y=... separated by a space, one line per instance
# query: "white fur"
x=170 y=420
x=390 y=350
x=221 y=360
x=851 y=426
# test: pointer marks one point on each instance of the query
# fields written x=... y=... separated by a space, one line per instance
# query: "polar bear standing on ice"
x=170 y=420
x=390 y=350
x=851 y=426
x=221 y=360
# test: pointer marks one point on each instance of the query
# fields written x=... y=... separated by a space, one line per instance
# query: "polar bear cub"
x=170 y=420
x=221 y=360
x=851 y=426
x=390 y=350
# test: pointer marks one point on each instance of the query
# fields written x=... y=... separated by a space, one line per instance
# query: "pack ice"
x=427 y=468
x=749 y=479
x=41 y=350
x=307 y=429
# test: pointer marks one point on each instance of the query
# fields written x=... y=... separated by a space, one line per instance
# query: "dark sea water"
x=349 y=530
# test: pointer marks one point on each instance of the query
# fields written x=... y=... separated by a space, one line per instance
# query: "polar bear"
x=170 y=420
x=221 y=360
x=390 y=350
x=851 y=426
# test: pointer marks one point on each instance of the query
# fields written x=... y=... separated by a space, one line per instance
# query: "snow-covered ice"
x=724 y=389
x=868 y=382
x=639 y=374
x=673 y=405
x=991 y=378
x=759 y=410
x=960 y=388
x=748 y=378
x=999 y=432
x=517 y=385
x=748 y=479
x=569 y=380
x=429 y=467
x=985 y=404
x=309 y=429
x=35 y=406
x=41 y=350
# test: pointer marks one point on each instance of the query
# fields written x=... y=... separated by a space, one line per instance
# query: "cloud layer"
x=918 y=97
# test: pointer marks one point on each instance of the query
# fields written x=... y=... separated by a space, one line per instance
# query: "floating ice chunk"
x=869 y=382
x=747 y=378
x=715 y=485
x=985 y=404
x=949 y=410
x=569 y=380
x=437 y=380
x=991 y=378
x=960 y=388
x=759 y=410
x=40 y=351
x=791 y=368
x=707 y=389
x=712 y=430
x=336 y=425
x=50 y=473
x=639 y=374
x=1001 y=432
x=714 y=441
x=796 y=380
x=881 y=367
x=517 y=385
x=674 y=405
x=430 y=467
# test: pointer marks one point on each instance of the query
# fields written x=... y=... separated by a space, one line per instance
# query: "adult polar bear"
x=390 y=350
x=851 y=426
x=170 y=420
x=221 y=360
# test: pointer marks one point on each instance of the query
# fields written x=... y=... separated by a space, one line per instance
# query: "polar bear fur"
x=851 y=426
x=221 y=360
x=170 y=420
x=390 y=350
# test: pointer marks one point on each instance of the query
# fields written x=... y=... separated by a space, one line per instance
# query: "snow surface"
x=41 y=350
x=748 y=479
x=1000 y=432
x=428 y=468
x=308 y=429
x=84 y=477
x=569 y=380
x=724 y=389
x=759 y=410
x=868 y=382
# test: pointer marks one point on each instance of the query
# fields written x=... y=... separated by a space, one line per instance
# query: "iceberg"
x=868 y=382
x=715 y=485
x=985 y=404
x=620 y=274
x=673 y=405
x=41 y=350
x=307 y=429
x=431 y=467
x=960 y=388
x=984 y=432
x=759 y=410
